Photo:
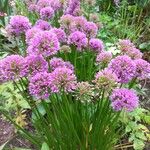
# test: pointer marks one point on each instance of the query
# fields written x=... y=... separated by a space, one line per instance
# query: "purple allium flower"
x=78 y=23
x=46 y=13
x=125 y=45
x=66 y=22
x=104 y=57
x=56 y=4
x=43 y=3
x=73 y=8
x=134 y=53
x=59 y=63
x=63 y=79
x=44 y=43
x=43 y=25
x=60 y=33
x=84 y=91
x=18 y=25
x=90 y=29
x=39 y=85
x=11 y=67
x=78 y=39
x=105 y=79
x=33 y=8
x=34 y=64
x=124 y=99
x=123 y=67
x=96 y=45
x=31 y=33
x=142 y=69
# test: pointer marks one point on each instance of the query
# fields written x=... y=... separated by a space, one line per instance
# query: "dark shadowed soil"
x=7 y=133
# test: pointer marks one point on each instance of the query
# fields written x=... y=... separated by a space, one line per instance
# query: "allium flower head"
x=11 y=67
x=43 y=25
x=73 y=8
x=105 y=79
x=60 y=33
x=43 y=3
x=78 y=39
x=104 y=57
x=60 y=63
x=33 y=8
x=123 y=67
x=56 y=4
x=39 y=85
x=34 y=64
x=96 y=45
x=63 y=79
x=44 y=43
x=66 y=22
x=124 y=99
x=84 y=91
x=94 y=18
x=90 y=29
x=125 y=45
x=142 y=69
x=78 y=23
x=65 y=49
x=46 y=13
x=18 y=25
x=31 y=33
x=134 y=53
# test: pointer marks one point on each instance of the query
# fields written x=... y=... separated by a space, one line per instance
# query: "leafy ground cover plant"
x=75 y=88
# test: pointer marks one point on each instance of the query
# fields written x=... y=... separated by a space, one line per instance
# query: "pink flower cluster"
x=45 y=8
x=60 y=33
x=44 y=43
x=78 y=39
x=79 y=23
x=11 y=68
x=124 y=68
x=106 y=79
x=124 y=99
x=128 y=48
x=43 y=84
x=43 y=25
x=59 y=63
x=73 y=7
x=34 y=64
x=63 y=79
x=104 y=57
x=46 y=13
x=18 y=25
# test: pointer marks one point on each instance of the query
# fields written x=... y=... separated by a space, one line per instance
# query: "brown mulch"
x=7 y=133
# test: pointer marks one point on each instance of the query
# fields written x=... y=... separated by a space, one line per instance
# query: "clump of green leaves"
x=12 y=101
x=136 y=123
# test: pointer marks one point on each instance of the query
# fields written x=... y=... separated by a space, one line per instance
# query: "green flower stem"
x=24 y=44
x=132 y=83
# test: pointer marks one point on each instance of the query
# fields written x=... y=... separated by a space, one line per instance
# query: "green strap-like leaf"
x=45 y=146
